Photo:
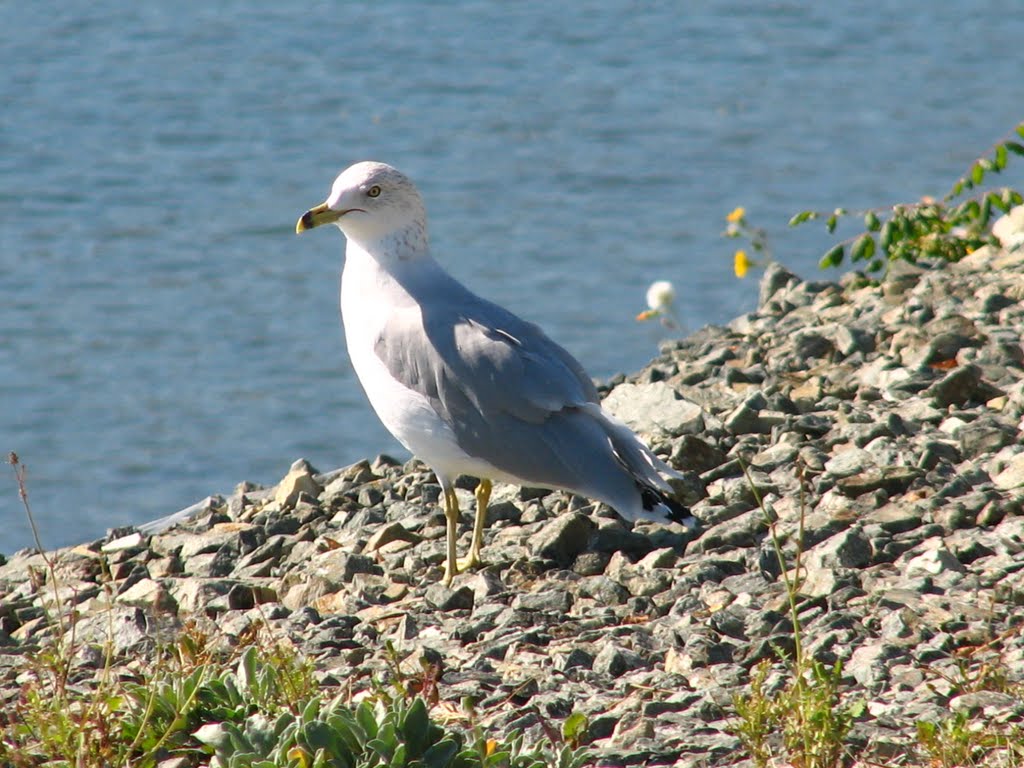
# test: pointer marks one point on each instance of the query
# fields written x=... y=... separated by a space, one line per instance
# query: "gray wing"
x=511 y=395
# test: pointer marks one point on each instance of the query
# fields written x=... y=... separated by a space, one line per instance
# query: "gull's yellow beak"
x=316 y=217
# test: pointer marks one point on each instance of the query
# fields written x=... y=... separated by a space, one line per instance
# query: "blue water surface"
x=163 y=333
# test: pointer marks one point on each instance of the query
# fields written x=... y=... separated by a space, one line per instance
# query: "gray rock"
x=745 y=418
x=654 y=409
x=300 y=479
x=849 y=462
x=615 y=661
x=961 y=385
x=992 y=706
x=933 y=562
x=562 y=539
x=869 y=664
x=1012 y=476
x=895 y=517
x=848 y=549
x=445 y=599
x=551 y=601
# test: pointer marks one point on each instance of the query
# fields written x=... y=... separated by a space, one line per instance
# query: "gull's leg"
x=483 y=496
x=451 y=513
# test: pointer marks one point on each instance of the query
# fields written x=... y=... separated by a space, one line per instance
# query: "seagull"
x=463 y=383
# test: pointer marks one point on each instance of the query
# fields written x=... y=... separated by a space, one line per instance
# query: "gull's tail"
x=656 y=496
x=660 y=506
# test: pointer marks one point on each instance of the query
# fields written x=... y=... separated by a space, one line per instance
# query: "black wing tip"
x=673 y=510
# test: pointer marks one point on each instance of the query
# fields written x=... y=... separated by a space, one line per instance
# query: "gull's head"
x=371 y=202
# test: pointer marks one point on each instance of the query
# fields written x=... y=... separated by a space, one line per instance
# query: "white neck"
x=397 y=246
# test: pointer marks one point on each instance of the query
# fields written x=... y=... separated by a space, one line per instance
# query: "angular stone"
x=893 y=480
x=961 y=385
x=195 y=595
x=299 y=480
x=337 y=566
x=391 y=533
x=550 y=601
x=848 y=549
x=992 y=706
x=1012 y=476
x=615 y=661
x=148 y=592
x=446 y=599
x=217 y=536
x=895 y=517
x=745 y=418
x=696 y=454
x=849 y=462
x=133 y=540
x=654 y=409
x=562 y=538
x=869 y=664
x=934 y=562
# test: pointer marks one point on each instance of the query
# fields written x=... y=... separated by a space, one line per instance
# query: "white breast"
x=369 y=295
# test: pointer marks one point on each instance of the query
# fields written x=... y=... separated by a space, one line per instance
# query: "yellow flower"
x=741 y=263
x=737 y=215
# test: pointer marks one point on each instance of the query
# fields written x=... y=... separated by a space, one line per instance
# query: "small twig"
x=20 y=475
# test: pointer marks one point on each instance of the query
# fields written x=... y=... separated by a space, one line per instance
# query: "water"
x=163 y=333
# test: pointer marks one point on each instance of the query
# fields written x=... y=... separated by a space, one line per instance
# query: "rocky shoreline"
x=888 y=419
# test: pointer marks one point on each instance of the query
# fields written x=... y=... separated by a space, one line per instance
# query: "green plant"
x=946 y=229
x=807 y=711
x=54 y=716
x=964 y=739
x=964 y=742
x=398 y=734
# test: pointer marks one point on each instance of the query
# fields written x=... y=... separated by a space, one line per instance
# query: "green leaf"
x=318 y=735
x=416 y=727
x=876 y=265
x=1000 y=158
x=311 y=710
x=440 y=755
x=575 y=728
x=986 y=212
x=247 y=668
x=871 y=222
x=1013 y=146
x=801 y=217
x=216 y=735
x=977 y=173
x=1013 y=197
x=863 y=248
x=886 y=235
x=1020 y=130
x=969 y=210
x=366 y=719
x=957 y=189
x=833 y=258
x=995 y=198
x=383 y=748
x=830 y=223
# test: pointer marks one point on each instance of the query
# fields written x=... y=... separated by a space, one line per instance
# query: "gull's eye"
x=373 y=191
